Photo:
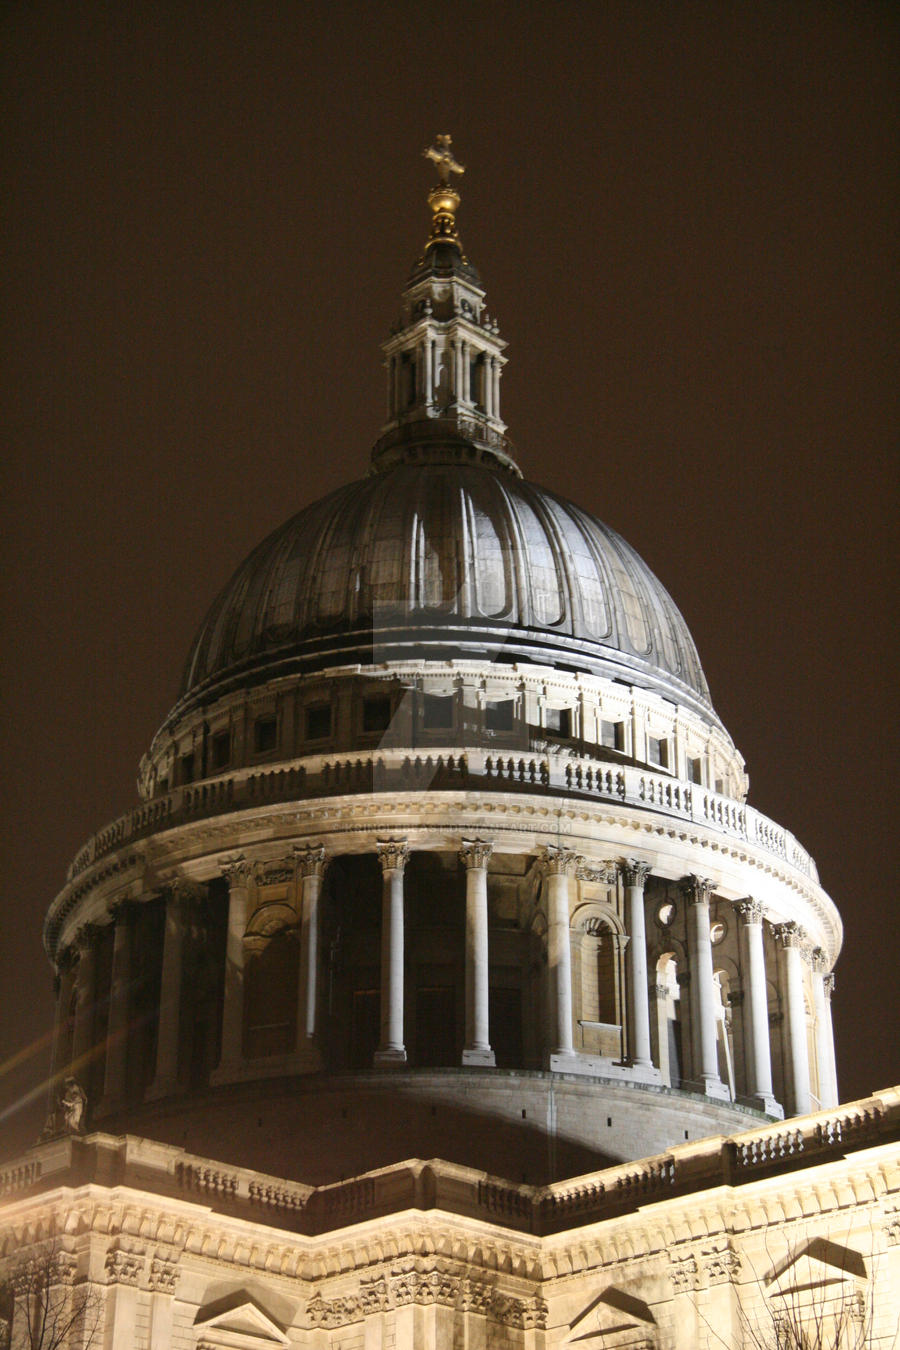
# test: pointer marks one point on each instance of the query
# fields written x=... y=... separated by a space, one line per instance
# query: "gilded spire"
x=443 y=198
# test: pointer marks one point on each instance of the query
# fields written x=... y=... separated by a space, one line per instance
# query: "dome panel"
x=461 y=557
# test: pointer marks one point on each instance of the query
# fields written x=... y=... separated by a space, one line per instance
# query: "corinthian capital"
x=393 y=854
x=475 y=853
x=558 y=861
x=310 y=859
x=790 y=934
x=749 y=910
x=635 y=872
x=696 y=890
x=236 y=870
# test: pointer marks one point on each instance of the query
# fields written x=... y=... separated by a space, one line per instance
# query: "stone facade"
x=687 y=1250
x=443 y=853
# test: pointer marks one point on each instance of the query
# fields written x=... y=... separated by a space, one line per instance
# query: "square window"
x=265 y=734
x=658 y=751
x=220 y=749
x=318 y=722
x=559 y=721
x=695 y=770
x=612 y=735
x=376 y=713
x=437 y=712
x=187 y=768
x=499 y=716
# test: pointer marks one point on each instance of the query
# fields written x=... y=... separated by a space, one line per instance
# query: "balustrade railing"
x=392 y=770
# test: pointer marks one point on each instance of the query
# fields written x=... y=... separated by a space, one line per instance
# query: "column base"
x=563 y=1061
x=714 y=1087
x=387 y=1059
x=482 y=1055
x=763 y=1103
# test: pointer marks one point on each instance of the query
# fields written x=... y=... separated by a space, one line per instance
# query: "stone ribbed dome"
x=445 y=559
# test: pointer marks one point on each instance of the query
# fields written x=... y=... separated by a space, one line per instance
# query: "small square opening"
x=265 y=735
x=376 y=713
x=499 y=716
x=220 y=749
x=437 y=712
x=658 y=751
x=559 y=721
x=318 y=722
x=612 y=735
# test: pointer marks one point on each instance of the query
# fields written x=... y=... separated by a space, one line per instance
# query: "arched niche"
x=598 y=942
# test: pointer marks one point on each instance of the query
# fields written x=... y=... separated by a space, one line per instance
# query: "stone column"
x=489 y=385
x=558 y=865
x=635 y=874
x=237 y=871
x=828 y=989
x=165 y=1080
x=62 y=1032
x=428 y=371
x=474 y=856
x=393 y=855
x=758 y=1054
x=696 y=892
x=791 y=938
x=496 y=378
x=115 y=1077
x=85 y=994
x=824 y=1042
x=311 y=863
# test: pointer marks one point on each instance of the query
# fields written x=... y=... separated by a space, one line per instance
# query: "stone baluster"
x=181 y=896
x=558 y=866
x=696 y=892
x=475 y=855
x=635 y=875
x=238 y=872
x=791 y=939
x=115 y=1076
x=824 y=1041
x=311 y=864
x=758 y=1058
x=393 y=855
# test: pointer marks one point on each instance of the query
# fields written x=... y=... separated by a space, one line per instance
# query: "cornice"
x=454 y=813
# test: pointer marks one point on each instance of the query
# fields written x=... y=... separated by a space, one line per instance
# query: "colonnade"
x=797 y=964
x=459 y=355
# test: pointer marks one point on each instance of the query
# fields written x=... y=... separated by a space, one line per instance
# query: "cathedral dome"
x=445 y=558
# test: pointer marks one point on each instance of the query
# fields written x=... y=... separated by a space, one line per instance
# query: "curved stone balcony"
x=404 y=770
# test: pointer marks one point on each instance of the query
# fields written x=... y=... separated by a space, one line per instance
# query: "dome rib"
x=409 y=561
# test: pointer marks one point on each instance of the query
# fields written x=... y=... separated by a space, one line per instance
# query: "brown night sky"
x=685 y=218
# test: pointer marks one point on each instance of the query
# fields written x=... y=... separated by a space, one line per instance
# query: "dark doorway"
x=436 y=1026
x=506 y=1027
x=364 y=1027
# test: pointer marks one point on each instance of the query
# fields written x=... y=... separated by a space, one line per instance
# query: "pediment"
x=242 y=1325
x=820 y=1266
x=613 y=1318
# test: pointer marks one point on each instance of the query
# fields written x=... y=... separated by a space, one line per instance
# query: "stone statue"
x=72 y=1102
x=443 y=157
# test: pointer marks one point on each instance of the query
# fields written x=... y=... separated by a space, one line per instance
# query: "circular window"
x=665 y=915
x=717 y=932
